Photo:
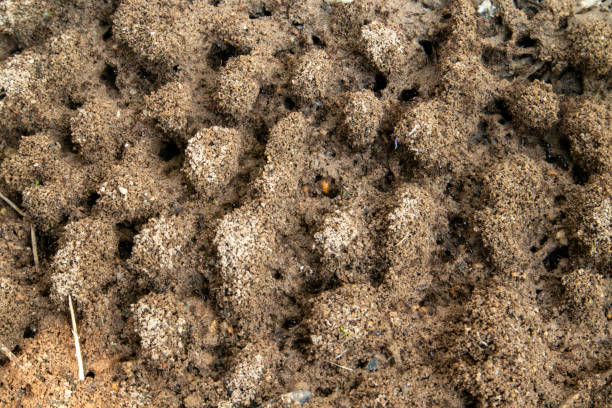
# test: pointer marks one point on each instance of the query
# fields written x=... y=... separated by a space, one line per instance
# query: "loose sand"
x=367 y=203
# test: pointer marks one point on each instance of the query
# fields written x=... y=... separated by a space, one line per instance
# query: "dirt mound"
x=340 y=203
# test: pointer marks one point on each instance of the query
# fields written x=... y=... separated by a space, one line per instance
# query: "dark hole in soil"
x=169 y=150
x=332 y=187
x=72 y=104
x=528 y=7
x=317 y=286
x=107 y=34
x=8 y=46
x=544 y=73
x=291 y=322
x=261 y=133
x=502 y=108
x=552 y=259
x=222 y=353
x=109 y=76
x=356 y=383
x=67 y=144
x=526 y=42
x=481 y=133
x=90 y=374
x=408 y=94
x=260 y=13
x=325 y=391
x=277 y=275
x=533 y=249
x=144 y=73
x=318 y=42
x=29 y=332
x=560 y=199
x=47 y=244
x=126 y=232
x=91 y=200
x=560 y=218
x=469 y=401
x=289 y=103
x=301 y=343
x=384 y=184
x=125 y=249
x=269 y=89
x=564 y=143
x=457 y=222
x=192 y=369
x=448 y=190
x=220 y=53
x=507 y=33
x=580 y=176
x=377 y=277
x=46 y=292
x=569 y=82
x=203 y=293
x=428 y=47
x=427 y=6
x=453 y=190
x=380 y=82
x=2 y=94
x=491 y=56
x=457 y=235
x=557 y=159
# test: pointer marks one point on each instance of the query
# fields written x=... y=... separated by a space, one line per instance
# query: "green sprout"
x=344 y=331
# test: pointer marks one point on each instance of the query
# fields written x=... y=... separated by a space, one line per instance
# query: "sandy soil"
x=327 y=203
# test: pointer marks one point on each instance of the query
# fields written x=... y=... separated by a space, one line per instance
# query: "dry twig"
x=12 y=205
x=10 y=355
x=34 y=246
x=341 y=366
x=77 y=345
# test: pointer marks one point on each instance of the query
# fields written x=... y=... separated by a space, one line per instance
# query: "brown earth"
x=368 y=203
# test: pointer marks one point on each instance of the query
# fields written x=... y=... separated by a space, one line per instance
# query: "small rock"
x=297 y=397
x=372 y=364
x=122 y=190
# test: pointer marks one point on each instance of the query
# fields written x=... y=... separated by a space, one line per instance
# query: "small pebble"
x=298 y=397
x=372 y=365
x=122 y=190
